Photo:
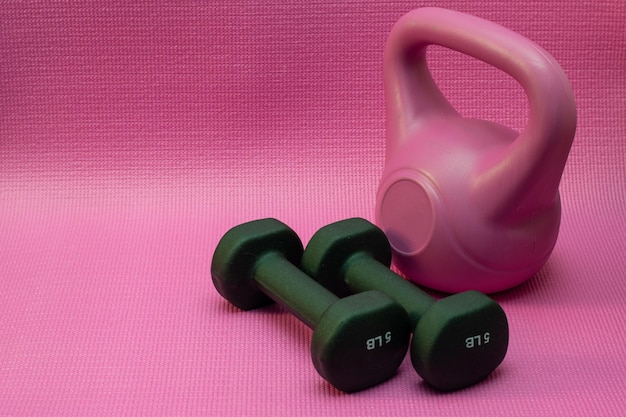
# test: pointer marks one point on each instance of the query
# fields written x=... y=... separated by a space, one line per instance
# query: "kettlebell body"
x=466 y=203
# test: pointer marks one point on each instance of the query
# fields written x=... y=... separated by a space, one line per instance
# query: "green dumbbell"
x=358 y=341
x=458 y=340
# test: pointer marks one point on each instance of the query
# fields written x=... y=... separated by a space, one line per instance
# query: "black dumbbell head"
x=360 y=341
x=460 y=340
x=237 y=253
x=332 y=246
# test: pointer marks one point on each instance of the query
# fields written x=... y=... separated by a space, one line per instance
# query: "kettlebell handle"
x=413 y=98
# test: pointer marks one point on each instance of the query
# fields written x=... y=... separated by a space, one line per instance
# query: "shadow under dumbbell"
x=486 y=385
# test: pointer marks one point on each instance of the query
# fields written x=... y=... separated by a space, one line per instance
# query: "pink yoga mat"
x=134 y=134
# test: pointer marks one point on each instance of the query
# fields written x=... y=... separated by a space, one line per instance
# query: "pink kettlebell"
x=470 y=204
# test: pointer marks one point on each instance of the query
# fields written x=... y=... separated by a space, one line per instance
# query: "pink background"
x=133 y=134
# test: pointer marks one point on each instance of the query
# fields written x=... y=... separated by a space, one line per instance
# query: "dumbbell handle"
x=364 y=273
x=288 y=286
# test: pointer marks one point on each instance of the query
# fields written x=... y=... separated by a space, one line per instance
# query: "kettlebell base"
x=427 y=250
x=458 y=276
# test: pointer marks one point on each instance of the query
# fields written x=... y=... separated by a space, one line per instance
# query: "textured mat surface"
x=134 y=134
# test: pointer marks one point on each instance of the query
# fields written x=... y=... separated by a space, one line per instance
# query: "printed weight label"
x=478 y=340
x=378 y=341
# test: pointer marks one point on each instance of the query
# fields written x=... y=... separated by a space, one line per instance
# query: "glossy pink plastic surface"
x=466 y=203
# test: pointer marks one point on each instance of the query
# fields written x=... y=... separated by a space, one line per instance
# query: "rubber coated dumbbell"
x=358 y=341
x=457 y=341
